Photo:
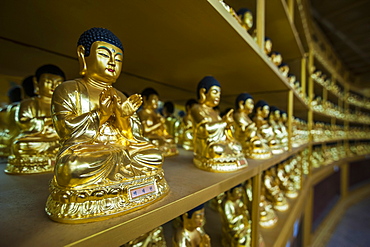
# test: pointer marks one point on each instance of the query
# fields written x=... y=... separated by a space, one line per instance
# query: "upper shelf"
x=170 y=45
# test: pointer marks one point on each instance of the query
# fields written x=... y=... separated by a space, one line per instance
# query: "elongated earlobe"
x=202 y=94
x=81 y=59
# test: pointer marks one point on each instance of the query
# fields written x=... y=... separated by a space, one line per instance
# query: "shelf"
x=26 y=197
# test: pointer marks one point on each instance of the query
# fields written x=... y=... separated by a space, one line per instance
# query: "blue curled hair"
x=260 y=103
x=207 y=82
x=242 y=11
x=98 y=34
x=190 y=212
x=49 y=69
x=282 y=65
x=242 y=97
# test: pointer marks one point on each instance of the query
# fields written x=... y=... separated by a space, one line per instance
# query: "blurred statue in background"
x=261 y=112
x=35 y=147
x=236 y=222
x=105 y=167
x=172 y=123
x=215 y=148
x=275 y=121
x=189 y=230
x=245 y=18
x=273 y=192
x=153 y=124
x=8 y=125
x=246 y=131
x=186 y=127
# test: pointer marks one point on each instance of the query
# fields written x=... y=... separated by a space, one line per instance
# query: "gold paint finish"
x=105 y=167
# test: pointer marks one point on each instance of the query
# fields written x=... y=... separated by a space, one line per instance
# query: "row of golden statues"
x=107 y=156
x=281 y=183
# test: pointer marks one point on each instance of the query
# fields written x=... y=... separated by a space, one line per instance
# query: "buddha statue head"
x=100 y=55
x=235 y=193
x=194 y=218
x=274 y=113
x=46 y=79
x=276 y=58
x=168 y=109
x=268 y=46
x=244 y=102
x=262 y=109
x=246 y=18
x=284 y=69
x=292 y=78
x=209 y=91
x=150 y=98
x=28 y=87
x=189 y=104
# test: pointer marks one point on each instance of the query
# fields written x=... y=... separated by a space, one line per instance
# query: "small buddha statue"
x=284 y=69
x=171 y=122
x=189 y=230
x=215 y=148
x=292 y=79
x=236 y=222
x=285 y=181
x=246 y=131
x=246 y=18
x=34 y=148
x=273 y=191
x=8 y=127
x=105 y=166
x=153 y=238
x=267 y=48
x=276 y=58
x=268 y=217
x=278 y=127
x=154 y=127
x=261 y=112
x=186 y=127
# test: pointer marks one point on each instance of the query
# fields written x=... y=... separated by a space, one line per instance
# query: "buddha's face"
x=265 y=110
x=277 y=59
x=152 y=101
x=196 y=220
x=268 y=46
x=249 y=105
x=284 y=117
x=213 y=96
x=276 y=114
x=47 y=84
x=248 y=19
x=104 y=63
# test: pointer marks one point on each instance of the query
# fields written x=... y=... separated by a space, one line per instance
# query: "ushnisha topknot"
x=197 y=208
x=98 y=34
x=207 y=82
x=242 y=97
x=242 y=11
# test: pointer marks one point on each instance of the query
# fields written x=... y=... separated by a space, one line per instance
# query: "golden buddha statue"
x=171 y=122
x=236 y=223
x=246 y=18
x=215 y=149
x=276 y=58
x=153 y=238
x=267 y=48
x=105 y=167
x=154 y=127
x=292 y=79
x=268 y=217
x=278 y=127
x=284 y=69
x=186 y=127
x=8 y=126
x=246 y=131
x=189 y=230
x=285 y=181
x=34 y=149
x=261 y=112
x=273 y=191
